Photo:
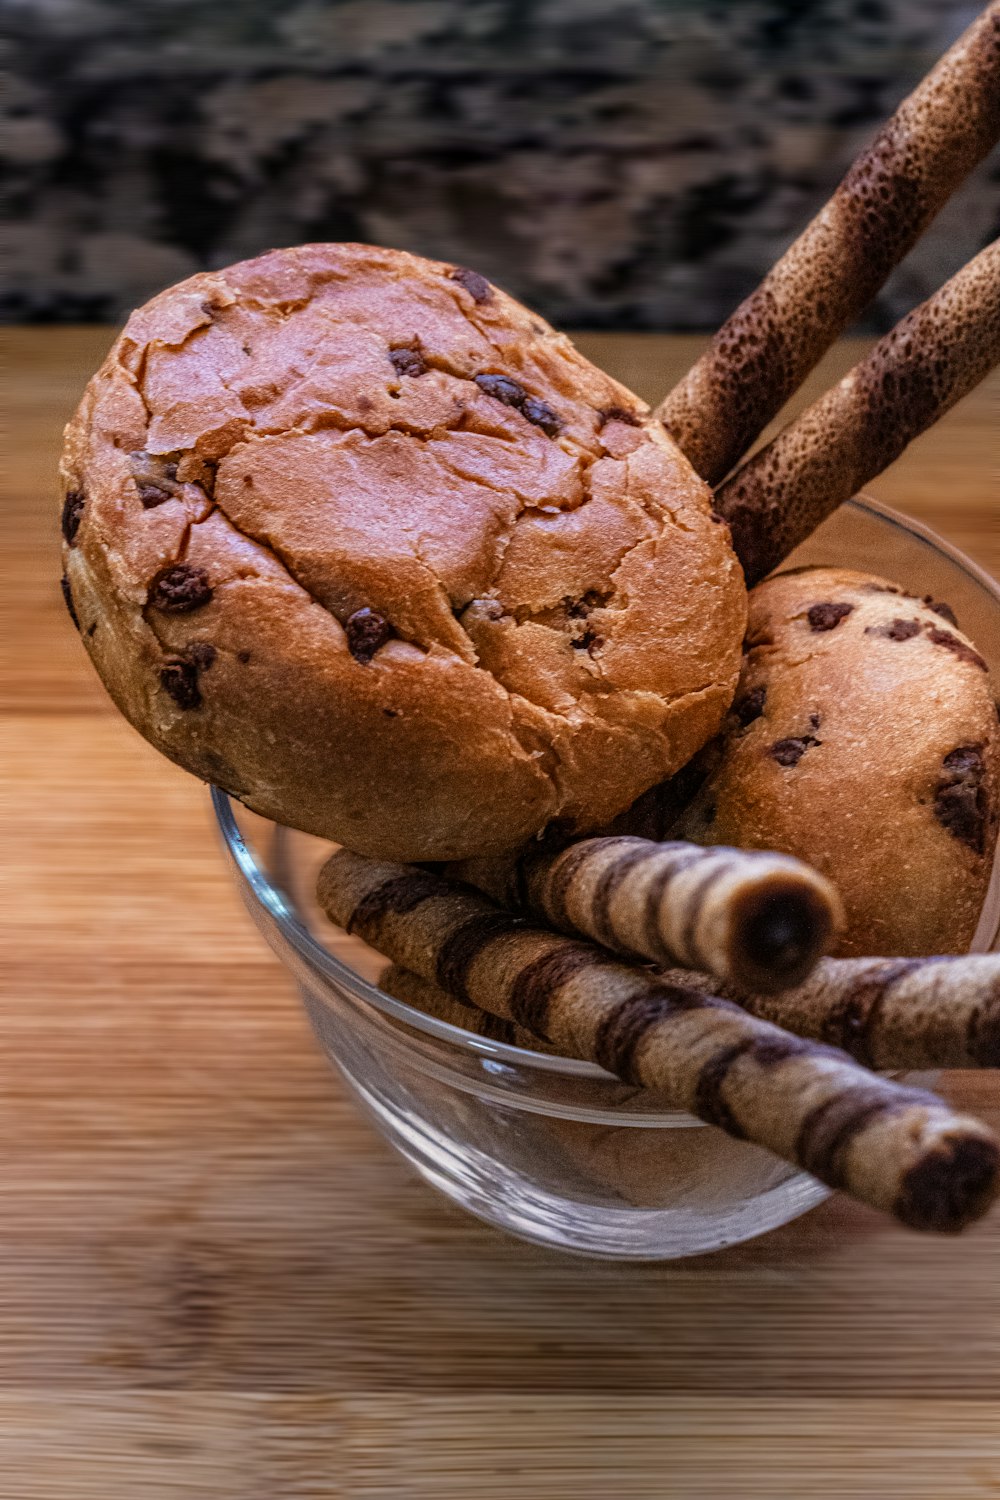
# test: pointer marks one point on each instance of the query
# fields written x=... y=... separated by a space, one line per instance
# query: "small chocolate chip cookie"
x=366 y=533
x=864 y=738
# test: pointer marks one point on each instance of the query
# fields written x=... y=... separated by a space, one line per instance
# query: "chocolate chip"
x=579 y=609
x=407 y=362
x=512 y=393
x=543 y=416
x=789 y=752
x=952 y=643
x=72 y=514
x=965 y=758
x=179 y=678
x=243 y=657
x=180 y=589
x=815 y=720
x=366 y=633
x=960 y=801
x=618 y=414
x=151 y=495
x=391 y=713
x=828 y=616
x=958 y=806
x=201 y=653
x=940 y=608
x=750 y=706
x=477 y=286
x=899 y=630
x=502 y=388
x=68 y=601
x=587 y=640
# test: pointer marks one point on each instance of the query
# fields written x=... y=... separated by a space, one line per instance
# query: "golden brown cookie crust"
x=418 y=612
x=864 y=739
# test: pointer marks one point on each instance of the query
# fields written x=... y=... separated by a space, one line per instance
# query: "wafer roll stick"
x=888 y=1013
x=833 y=270
x=893 y=1012
x=898 y=1149
x=754 y=919
x=930 y=360
x=434 y=1001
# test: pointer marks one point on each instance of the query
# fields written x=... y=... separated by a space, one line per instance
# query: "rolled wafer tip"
x=780 y=932
x=952 y=1185
x=753 y=919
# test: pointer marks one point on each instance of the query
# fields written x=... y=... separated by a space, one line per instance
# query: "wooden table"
x=216 y=1282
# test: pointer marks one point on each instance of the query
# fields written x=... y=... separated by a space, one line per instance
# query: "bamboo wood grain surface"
x=217 y=1283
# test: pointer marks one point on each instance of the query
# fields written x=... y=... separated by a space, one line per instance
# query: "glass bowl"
x=553 y=1149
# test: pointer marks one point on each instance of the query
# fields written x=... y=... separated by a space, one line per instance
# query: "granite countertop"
x=630 y=166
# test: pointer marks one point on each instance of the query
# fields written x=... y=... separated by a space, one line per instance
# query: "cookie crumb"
x=477 y=286
x=72 y=514
x=366 y=633
x=180 y=589
x=828 y=616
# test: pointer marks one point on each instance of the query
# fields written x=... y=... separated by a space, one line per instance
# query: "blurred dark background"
x=627 y=165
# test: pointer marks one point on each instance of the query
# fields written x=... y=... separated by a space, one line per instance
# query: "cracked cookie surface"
x=456 y=581
x=864 y=743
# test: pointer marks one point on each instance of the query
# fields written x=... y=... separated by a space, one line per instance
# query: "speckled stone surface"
x=635 y=165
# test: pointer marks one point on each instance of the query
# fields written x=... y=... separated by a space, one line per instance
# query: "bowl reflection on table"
x=554 y=1149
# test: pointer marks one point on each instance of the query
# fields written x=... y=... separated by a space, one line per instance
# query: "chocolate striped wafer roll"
x=430 y=998
x=899 y=1149
x=892 y=1012
x=930 y=360
x=751 y=918
x=828 y=276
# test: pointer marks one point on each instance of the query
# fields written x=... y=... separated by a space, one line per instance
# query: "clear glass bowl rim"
x=274 y=905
